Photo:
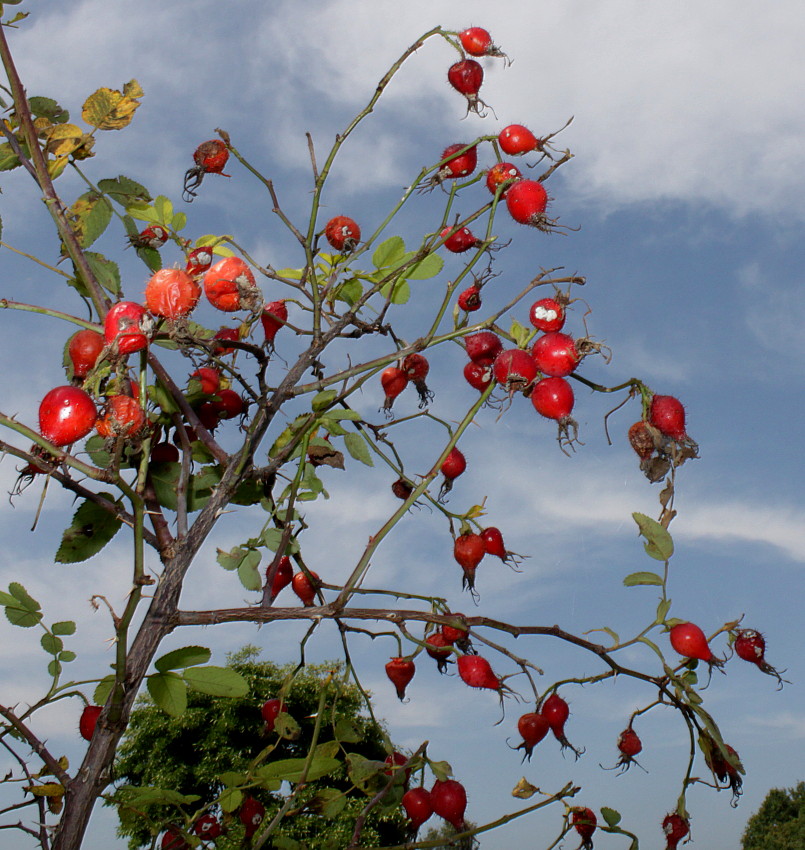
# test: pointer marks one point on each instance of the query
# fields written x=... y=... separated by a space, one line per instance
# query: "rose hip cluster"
x=97 y=359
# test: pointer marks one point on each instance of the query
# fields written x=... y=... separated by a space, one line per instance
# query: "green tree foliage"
x=779 y=823
x=446 y=832
x=228 y=737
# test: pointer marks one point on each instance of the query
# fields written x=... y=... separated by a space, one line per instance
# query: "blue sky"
x=687 y=184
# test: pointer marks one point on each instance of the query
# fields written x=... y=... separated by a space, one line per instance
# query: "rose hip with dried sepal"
x=124 y=327
x=452 y=466
x=494 y=545
x=629 y=745
x=689 y=641
x=400 y=671
x=393 y=380
x=750 y=645
x=526 y=202
x=675 y=828
x=533 y=727
x=556 y=711
x=460 y=162
x=416 y=367
x=210 y=158
x=476 y=672
x=229 y=286
x=584 y=822
x=478 y=42
x=342 y=233
x=467 y=77
x=515 y=370
x=273 y=317
x=438 y=648
x=469 y=550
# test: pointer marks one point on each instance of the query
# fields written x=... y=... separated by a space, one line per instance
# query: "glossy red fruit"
x=466 y=77
x=547 y=315
x=122 y=417
x=198 y=261
x=304 y=588
x=251 y=814
x=283 y=577
x=517 y=139
x=449 y=801
x=225 y=335
x=457 y=633
x=154 y=236
x=394 y=381
x=533 y=727
x=84 y=348
x=172 y=840
x=667 y=415
x=402 y=488
x=493 y=542
x=515 y=370
x=553 y=398
x=468 y=550
x=208 y=415
x=164 y=453
x=229 y=404
x=274 y=316
x=171 y=294
x=476 y=41
x=229 y=285
x=416 y=367
x=526 y=202
x=438 y=648
x=459 y=241
x=208 y=378
x=66 y=414
x=477 y=672
x=342 y=233
x=584 y=822
x=454 y=464
x=689 y=640
x=556 y=711
x=477 y=376
x=500 y=174
x=88 y=720
x=460 y=163
x=555 y=354
x=207 y=827
x=641 y=439
x=483 y=347
x=393 y=764
x=417 y=805
x=751 y=646
x=675 y=828
x=269 y=711
x=123 y=327
x=629 y=743
x=400 y=671
x=470 y=299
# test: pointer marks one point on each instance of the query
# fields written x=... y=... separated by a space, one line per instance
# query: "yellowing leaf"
x=108 y=109
x=63 y=139
x=49 y=789
x=524 y=789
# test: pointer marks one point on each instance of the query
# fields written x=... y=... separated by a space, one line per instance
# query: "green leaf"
x=356 y=446
x=125 y=191
x=164 y=209
x=103 y=689
x=8 y=159
x=46 y=107
x=21 y=610
x=349 y=291
x=248 y=572
x=89 y=216
x=152 y=259
x=659 y=544
x=662 y=610
x=283 y=842
x=642 y=578
x=291 y=770
x=346 y=732
x=106 y=271
x=520 y=334
x=329 y=802
x=67 y=656
x=90 y=530
x=651 y=643
x=231 y=560
x=323 y=399
x=54 y=667
x=213 y=241
x=216 y=681
x=186 y=656
x=388 y=253
x=143 y=212
x=291 y=274
x=165 y=478
x=178 y=222
x=397 y=291
x=23 y=597
x=611 y=817
x=94 y=447
x=286 y=727
x=51 y=644
x=441 y=769
x=169 y=692
x=230 y=799
x=148 y=795
x=362 y=770
x=427 y=267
